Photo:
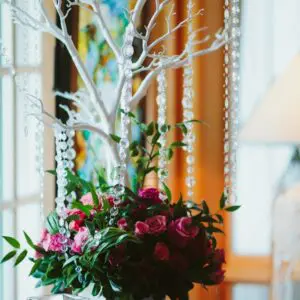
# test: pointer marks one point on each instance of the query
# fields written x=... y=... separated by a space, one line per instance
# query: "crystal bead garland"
x=61 y=173
x=162 y=123
x=40 y=128
x=187 y=103
x=231 y=85
x=128 y=52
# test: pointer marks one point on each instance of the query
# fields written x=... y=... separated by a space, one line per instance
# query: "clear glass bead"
x=190 y=159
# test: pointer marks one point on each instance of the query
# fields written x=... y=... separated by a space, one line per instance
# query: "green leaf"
x=150 y=129
x=205 y=207
x=29 y=241
x=182 y=128
x=52 y=172
x=52 y=223
x=155 y=138
x=168 y=192
x=96 y=290
x=13 y=242
x=71 y=218
x=91 y=227
x=115 y=287
x=70 y=260
x=170 y=153
x=220 y=218
x=8 y=256
x=233 y=208
x=134 y=153
x=84 y=208
x=223 y=201
x=35 y=266
x=70 y=279
x=133 y=145
x=214 y=230
x=21 y=257
x=198 y=121
x=115 y=138
x=178 y=144
x=94 y=194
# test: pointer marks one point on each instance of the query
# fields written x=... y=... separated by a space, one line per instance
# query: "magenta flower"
x=141 y=229
x=122 y=224
x=157 y=224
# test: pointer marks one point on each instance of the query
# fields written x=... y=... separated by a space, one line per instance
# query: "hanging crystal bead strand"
x=40 y=128
x=162 y=127
x=231 y=85
x=61 y=172
x=188 y=114
x=128 y=52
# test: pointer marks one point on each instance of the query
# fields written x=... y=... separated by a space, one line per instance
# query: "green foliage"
x=13 y=242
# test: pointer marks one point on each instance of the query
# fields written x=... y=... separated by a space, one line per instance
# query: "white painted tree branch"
x=174 y=62
x=91 y=103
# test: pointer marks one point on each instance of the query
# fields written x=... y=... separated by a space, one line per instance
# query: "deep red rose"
x=157 y=224
x=161 y=252
x=217 y=277
x=178 y=261
x=150 y=195
x=219 y=257
x=181 y=231
x=76 y=224
x=199 y=248
x=141 y=228
x=122 y=224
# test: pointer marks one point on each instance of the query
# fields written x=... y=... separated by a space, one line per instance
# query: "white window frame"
x=46 y=69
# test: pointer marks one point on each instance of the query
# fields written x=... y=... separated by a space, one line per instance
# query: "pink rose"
x=76 y=224
x=141 y=228
x=181 y=231
x=122 y=224
x=157 y=224
x=45 y=240
x=56 y=243
x=161 y=252
x=150 y=195
x=80 y=240
x=87 y=199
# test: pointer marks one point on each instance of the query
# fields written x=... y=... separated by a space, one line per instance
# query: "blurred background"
x=262 y=239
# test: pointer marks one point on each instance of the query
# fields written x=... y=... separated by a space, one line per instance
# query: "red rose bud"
x=157 y=224
x=141 y=229
x=161 y=252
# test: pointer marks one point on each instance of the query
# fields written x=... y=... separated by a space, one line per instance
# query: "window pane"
x=27 y=177
x=7 y=225
x=259 y=170
x=28 y=217
x=6 y=32
x=250 y=292
x=28 y=41
x=7 y=133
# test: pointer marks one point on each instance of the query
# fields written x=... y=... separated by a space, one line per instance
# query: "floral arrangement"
x=153 y=247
